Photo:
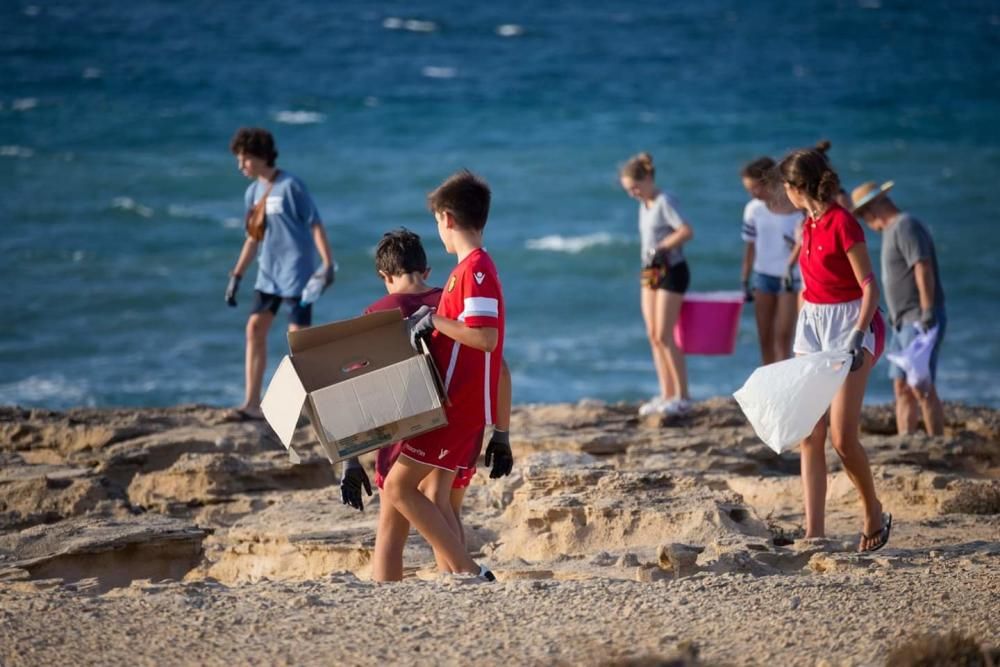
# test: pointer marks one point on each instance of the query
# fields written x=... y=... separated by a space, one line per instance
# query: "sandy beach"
x=166 y=536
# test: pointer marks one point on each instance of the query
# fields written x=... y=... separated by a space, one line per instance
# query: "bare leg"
x=668 y=308
x=437 y=488
x=784 y=329
x=256 y=358
x=906 y=408
x=930 y=406
x=765 y=306
x=457 y=496
x=390 y=539
x=648 y=300
x=401 y=489
x=813 y=463
x=845 y=425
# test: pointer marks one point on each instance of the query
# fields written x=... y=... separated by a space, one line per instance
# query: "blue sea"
x=121 y=207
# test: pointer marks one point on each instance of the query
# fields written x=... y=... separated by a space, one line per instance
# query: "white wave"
x=41 y=390
x=15 y=151
x=92 y=73
x=572 y=244
x=510 y=30
x=24 y=103
x=232 y=223
x=413 y=25
x=371 y=101
x=299 y=117
x=432 y=72
x=129 y=204
x=32 y=10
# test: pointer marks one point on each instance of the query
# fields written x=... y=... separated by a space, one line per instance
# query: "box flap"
x=283 y=401
x=336 y=352
x=310 y=337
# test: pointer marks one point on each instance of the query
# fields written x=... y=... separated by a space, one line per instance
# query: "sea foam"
x=572 y=244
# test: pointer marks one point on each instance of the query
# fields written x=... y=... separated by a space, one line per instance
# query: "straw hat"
x=868 y=192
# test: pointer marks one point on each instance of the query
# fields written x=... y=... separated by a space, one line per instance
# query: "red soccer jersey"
x=826 y=271
x=408 y=303
x=471 y=295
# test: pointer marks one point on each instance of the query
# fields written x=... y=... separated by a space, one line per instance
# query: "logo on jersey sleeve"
x=451 y=283
x=480 y=277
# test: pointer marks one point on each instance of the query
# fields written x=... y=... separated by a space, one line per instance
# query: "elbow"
x=490 y=341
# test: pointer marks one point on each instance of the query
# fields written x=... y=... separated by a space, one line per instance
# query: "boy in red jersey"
x=402 y=264
x=465 y=336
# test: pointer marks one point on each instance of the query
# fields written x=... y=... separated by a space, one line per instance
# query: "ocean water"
x=121 y=206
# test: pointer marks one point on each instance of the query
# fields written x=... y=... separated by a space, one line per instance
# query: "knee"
x=392 y=491
x=902 y=391
x=843 y=443
x=256 y=328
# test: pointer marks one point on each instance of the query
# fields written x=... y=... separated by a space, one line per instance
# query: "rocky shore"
x=168 y=536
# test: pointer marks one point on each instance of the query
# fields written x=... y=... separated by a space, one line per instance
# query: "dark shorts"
x=661 y=275
x=299 y=314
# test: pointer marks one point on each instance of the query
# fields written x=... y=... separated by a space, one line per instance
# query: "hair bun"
x=823 y=145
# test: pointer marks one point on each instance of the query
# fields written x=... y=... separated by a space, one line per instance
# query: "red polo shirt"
x=826 y=271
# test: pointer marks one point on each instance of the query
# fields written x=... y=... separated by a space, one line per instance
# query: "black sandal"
x=882 y=534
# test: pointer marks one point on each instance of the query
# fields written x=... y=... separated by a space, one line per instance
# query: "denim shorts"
x=299 y=315
x=903 y=337
x=772 y=284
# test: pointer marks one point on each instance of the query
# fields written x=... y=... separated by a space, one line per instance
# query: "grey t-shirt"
x=657 y=222
x=907 y=241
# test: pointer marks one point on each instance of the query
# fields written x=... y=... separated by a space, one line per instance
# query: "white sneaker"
x=676 y=406
x=652 y=406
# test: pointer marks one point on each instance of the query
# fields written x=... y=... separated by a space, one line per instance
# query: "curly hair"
x=254 y=141
x=400 y=252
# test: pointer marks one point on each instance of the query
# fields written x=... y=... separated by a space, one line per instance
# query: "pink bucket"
x=709 y=322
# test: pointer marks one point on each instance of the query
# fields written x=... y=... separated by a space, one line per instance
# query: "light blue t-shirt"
x=288 y=255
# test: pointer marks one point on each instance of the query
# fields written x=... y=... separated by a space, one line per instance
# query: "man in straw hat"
x=912 y=284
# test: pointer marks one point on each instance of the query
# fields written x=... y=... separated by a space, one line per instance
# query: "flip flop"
x=241 y=415
x=882 y=534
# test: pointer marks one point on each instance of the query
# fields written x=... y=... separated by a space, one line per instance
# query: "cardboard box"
x=359 y=381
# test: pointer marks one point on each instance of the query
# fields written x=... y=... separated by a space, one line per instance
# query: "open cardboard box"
x=359 y=381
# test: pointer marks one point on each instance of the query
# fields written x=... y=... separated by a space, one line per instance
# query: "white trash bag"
x=915 y=360
x=783 y=401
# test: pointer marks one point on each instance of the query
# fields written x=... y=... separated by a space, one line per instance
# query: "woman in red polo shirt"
x=840 y=301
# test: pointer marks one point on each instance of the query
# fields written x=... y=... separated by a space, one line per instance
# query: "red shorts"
x=448 y=448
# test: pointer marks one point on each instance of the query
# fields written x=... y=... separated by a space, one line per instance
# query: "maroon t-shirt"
x=408 y=303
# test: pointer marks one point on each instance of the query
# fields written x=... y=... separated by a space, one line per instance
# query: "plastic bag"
x=783 y=401
x=915 y=360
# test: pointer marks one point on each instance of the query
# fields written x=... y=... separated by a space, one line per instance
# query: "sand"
x=166 y=536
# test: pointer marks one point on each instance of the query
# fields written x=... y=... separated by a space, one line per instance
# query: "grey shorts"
x=828 y=326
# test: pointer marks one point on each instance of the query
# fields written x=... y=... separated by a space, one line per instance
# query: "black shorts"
x=299 y=314
x=660 y=274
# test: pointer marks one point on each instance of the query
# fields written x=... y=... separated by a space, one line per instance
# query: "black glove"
x=354 y=478
x=855 y=349
x=747 y=292
x=329 y=275
x=231 y=289
x=498 y=451
x=927 y=319
x=420 y=325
